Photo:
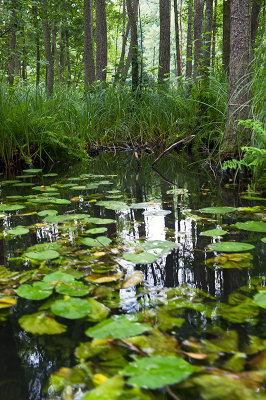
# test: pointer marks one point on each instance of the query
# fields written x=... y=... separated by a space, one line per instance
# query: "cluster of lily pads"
x=79 y=276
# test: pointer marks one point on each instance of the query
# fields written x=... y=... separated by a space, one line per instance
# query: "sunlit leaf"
x=95 y=231
x=100 y=278
x=260 y=299
x=11 y=207
x=231 y=246
x=71 y=308
x=46 y=213
x=41 y=324
x=217 y=210
x=111 y=389
x=75 y=288
x=32 y=170
x=214 y=233
x=36 y=291
x=58 y=277
x=7 y=301
x=42 y=255
x=99 y=241
x=19 y=230
x=253 y=226
x=100 y=221
x=141 y=258
x=132 y=280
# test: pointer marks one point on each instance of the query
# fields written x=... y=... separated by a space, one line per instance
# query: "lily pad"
x=100 y=241
x=157 y=371
x=138 y=206
x=113 y=205
x=100 y=221
x=42 y=255
x=58 y=277
x=117 y=327
x=156 y=213
x=19 y=230
x=23 y=184
x=263 y=240
x=46 y=213
x=37 y=291
x=41 y=324
x=7 y=301
x=95 y=231
x=217 y=210
x=52 y=174
x=60 y=201
x=111 y=389
x=72 y=308
x=74 y=288
x=141 y=258
x=177 y=191
x=132 y=280
x=253 y=226
x=260 y=299
x=214 y=233
x=231 y=247
x=11 y=207
x=32 y=170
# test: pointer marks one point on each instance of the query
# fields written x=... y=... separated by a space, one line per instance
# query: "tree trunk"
x=24 y=58
x=208 y=35
x=48 y=49
x=199 y=5
x=214 y=32
x=101 y=41
x=89 y=67
x=189 y=40
x=226 y=34
x=37 y=40
x=132 y=11
x=12 y=47
x=177 y=45
x=123 y=52
x=164 y=49
x=255 y=16
x=239 y=78
x=55 y=53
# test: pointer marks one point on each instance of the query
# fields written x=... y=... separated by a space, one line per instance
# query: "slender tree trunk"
x=164 y=49
x=48 y=49
x=24 y=59
x=55 y=53
x=37 y=40
x=89 y=67
x=177 y=45
x=123 y=52
x=189 y=40
x=12 y=47
x=255 y=16
x=132 y=10
x=208 y=35
x=101 y=41
x=226 y=34
x=68 y=57
x=239 y=78
x=181 y=36
x=199 y=5
x=141 y=47
x=214 y=32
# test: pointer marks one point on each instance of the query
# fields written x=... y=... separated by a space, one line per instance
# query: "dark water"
x=27 y=360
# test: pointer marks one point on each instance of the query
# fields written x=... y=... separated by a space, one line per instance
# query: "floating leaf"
x=113 y=205
x=10 y=182
x=72 y=308
x=217 y=210
x=45 y=189
x=234 y=260
x=7 y=301
x=74 y=288
x=253 y=226
x=100 y=241
x=231 y=247
x=117 y=327
x=95 y=231
x=23 y=184
x=11 y=207
x=137 y=206
x=2 y=215
x=157 y=371
x=60 y=201
x=37 y=291
x=55 y=277
x=111 y=389
x=177 y=191
x=158 y=213
x=46 y=213
x=141 y=258
x=260 y=299
x=42 y=255
x=19 y=230
x=100 y=278
x=98 y=311
x=32 y=170
x=41 y=324
x=52 y=174
x=100 y=221
x=132 y=280
x=214 y=233
x=263 y=240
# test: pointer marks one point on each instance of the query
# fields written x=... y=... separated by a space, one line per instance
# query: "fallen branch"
x=173 y=146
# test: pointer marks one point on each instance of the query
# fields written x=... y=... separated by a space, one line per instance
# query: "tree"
x=255 y=14
x=239 y=77
x=12 y=45
x=226 y=34
x=178 y=56
x=89 y=67
x=132 y=11
x=214 y=33
x=48 y=49
x=101 y=41
x=208 y=35
x=164 y=49
x=189 y=40
x=199 y=5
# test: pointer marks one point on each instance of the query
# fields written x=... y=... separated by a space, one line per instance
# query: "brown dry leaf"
x=132 y=280
x=99 y=278
x=26 y=214
x=75 y=199
x=40 y=225
x=259 y=362
x=99 y=253
x=196 y=356
x=6 y=302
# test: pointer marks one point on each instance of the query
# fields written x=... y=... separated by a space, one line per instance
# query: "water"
x=28 y=360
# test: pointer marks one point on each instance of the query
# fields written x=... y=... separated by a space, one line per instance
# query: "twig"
x=169 y=391
x=173 y=146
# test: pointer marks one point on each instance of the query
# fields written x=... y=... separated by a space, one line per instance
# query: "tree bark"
x=55 y=53
x=226 y=34
x=12 y=47
x=189 y=40
x=48 y=49
x=37 y=40
x=214 y=33
x=164 y=49
x=24 y=59
x=177 y=45
x=255 y=16
x=101 y=41
x=208 y=35
x=199 y=5
x=89 y=67
x=239 y=78
x=132 y=10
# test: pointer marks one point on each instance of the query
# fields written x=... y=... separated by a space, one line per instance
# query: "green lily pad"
x=157 y=371
x=79 y=188
x=32 y=170
x=111 y=389
x=113 y=205
x=19 y=230
x=231 y=247
x=58 y=277
x=138 y=206
x=52 y=174
x=117 y=327
x=141 y=258
x=100 y=221
x=214 y=233
x=260 y=299
x=46 y=213
x=60 y=201
x=11 y=207
x=25 y=176
x=177 y=191
x=72 y=308
x=45 y=188
x=23 y=184
x=217 y=210
x=95 y=231
x=158 y=213
x=41 y=324
x=42 y=255
x=10 y=181
x=37 y=291
x=253 y=226
x=100 y=241
x=73 y=288
x=263 y=240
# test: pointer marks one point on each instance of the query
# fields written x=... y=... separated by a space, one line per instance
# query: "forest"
x=132 y=200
